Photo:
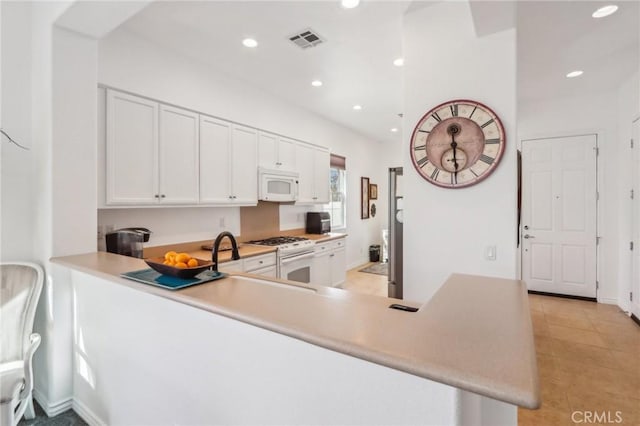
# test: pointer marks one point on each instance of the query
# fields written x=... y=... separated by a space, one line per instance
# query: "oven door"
x=297 y=267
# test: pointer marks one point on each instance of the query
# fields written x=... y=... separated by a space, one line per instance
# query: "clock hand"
x=454 y=145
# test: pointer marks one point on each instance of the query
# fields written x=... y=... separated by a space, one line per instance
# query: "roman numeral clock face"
x=457 y=144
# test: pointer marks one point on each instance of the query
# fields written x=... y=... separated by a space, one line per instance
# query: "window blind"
x=338 y=162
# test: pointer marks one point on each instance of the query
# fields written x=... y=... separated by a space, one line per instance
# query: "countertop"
x=474 y=334
x=244 y=249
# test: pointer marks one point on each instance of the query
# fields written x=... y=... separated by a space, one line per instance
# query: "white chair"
x=20 y=288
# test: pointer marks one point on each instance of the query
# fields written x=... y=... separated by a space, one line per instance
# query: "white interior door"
x=559 y=215
x=635 y=280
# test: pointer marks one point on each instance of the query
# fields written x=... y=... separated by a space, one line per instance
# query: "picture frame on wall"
x=364 y=201
x=373 y=191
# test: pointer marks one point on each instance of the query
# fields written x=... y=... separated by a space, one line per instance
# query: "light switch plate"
x=490 y=253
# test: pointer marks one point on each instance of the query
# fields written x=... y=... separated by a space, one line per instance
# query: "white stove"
x=295 y=256
x=286 y=245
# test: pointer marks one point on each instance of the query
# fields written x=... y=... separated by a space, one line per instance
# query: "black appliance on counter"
x=127 y=241
x=318 y=222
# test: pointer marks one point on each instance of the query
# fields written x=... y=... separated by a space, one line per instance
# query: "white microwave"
x=277 y=185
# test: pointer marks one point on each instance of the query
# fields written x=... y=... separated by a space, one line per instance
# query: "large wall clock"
x=457 y=144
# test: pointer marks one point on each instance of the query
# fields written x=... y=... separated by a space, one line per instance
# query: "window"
x=337 y=206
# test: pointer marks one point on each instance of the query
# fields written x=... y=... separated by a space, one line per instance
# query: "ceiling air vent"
x=306 y=38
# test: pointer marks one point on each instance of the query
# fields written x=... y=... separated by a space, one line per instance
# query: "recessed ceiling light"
x=349 y=4
x=357 y=107
x=316 y=83
x=398 y=62
x=573 y=74
x=394 y=130
x=605 y=11
x=249 y=42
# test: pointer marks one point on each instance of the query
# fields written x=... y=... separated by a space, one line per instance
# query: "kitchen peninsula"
x=243 y=350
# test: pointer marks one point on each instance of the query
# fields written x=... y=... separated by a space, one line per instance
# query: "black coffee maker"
x=127 y=241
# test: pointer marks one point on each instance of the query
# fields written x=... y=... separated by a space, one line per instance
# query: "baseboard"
x=635 y=319
x=87 y=415
x=608 y=300
x=52 y=408
x=564 y=296
x=357 y=263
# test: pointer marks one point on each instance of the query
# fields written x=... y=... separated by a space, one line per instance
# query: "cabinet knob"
x=163 y=196
x=157 y=196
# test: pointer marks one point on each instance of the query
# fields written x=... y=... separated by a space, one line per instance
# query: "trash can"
x=374 y=253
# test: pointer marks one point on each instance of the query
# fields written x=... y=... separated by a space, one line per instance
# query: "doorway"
x=559 y=215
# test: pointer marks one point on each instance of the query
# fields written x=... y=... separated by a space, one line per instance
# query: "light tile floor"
x=364 y=282
x=588 y=363
x=588 y=358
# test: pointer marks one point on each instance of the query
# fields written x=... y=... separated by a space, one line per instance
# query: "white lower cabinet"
x=329 y=263
x=231 y=266
x=269 y=271
x=264 y=264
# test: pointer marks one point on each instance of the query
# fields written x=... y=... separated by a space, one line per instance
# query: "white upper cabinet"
x=156 y=155
x=151 y=151
x=244 y=165
x=313 y=166
x=276 y=152
x=215 y=160
x=287 y=154
x=321 y=168
x=131 y=150
x=179 y=139
x=228 y=163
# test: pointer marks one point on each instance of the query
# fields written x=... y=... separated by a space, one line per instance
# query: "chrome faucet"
x=216 y=245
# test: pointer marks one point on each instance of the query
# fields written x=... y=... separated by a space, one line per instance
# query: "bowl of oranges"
x=179 y=265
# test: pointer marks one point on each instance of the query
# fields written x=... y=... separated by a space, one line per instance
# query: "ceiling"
x=355 y=63
x=557 y=37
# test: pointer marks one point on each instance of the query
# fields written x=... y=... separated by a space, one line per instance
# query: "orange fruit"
x=192 y=263
x=181 y=265
x=168 y=255
x=166 y=262
x=182 y=258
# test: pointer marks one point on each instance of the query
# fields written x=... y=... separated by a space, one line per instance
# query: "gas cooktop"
x=277 y=241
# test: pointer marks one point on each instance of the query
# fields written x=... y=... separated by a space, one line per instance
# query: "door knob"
x=527 y=236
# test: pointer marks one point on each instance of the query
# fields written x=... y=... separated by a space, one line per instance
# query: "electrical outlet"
x=100 y=232
x=222 y=222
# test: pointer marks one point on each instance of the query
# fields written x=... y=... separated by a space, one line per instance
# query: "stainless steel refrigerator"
x=395 y=232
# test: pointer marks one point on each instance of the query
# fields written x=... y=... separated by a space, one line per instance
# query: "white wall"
x=446 y=230
x=628 y=102
x=18 y=166
x=130 y=63
x=175 y=225
x=597 y=113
